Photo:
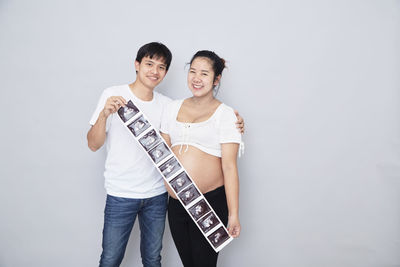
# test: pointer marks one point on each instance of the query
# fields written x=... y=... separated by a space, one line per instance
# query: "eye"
x=204 y=74
x=192 y=71
x=162 y=68
x=149 y=64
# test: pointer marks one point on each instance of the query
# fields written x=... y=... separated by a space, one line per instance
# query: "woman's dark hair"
x=156 y=50
x=217 y=63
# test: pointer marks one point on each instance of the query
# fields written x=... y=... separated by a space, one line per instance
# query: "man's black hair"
x=155 y=50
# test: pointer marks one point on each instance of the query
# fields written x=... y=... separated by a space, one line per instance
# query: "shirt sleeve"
x=100 y=106
x=228 y=133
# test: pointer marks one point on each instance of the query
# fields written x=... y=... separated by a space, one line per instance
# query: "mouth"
x=197 y=86
x=152 y=78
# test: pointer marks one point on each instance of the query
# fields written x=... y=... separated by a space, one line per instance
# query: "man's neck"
x=140 y=91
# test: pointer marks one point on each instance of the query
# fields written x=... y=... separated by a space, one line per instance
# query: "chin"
x=196 y=93
x=153 y=84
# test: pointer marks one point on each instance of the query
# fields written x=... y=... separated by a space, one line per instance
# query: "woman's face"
x=201 y=77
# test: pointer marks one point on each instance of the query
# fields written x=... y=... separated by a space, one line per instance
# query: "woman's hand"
x=234 y=226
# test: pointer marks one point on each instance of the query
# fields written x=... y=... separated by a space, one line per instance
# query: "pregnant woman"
x=201 y=132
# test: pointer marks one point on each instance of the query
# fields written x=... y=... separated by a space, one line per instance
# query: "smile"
x=152 y=78
x=197 y=86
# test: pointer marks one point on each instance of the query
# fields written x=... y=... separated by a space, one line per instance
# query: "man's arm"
x=239 y=122
x=97 y=133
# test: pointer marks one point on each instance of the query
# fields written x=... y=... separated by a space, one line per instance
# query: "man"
x=134 y=186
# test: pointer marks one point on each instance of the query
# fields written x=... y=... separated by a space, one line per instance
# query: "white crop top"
x=206 y=135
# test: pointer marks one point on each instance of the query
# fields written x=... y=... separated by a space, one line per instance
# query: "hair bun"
x=223 y=63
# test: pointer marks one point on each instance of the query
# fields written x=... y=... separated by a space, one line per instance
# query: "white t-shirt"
x=207 y=135
x=128 y=170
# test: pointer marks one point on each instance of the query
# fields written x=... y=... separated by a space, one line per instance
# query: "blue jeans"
x=119 y=217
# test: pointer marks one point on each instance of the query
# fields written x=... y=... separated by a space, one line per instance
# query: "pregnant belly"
x=203 y=168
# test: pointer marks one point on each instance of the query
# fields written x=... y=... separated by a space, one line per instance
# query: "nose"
x=154 y=70
x=196 y=78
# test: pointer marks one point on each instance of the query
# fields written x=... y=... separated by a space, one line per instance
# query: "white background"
x=316 y=81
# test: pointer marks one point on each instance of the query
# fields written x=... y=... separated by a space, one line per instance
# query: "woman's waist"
x=212 y=194
x=208 y=189
x=196 y=161
x=205 y=178
x=204 y=169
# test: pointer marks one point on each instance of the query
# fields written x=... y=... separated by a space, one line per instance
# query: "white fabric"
x=128 y=171
x=207 y=135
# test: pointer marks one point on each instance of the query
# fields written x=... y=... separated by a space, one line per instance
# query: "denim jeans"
x=119 y=217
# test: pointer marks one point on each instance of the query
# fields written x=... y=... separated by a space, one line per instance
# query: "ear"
x=216 y=82
x=137 y=64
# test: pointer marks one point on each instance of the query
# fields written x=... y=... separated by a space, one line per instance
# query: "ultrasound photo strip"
x=189 y=195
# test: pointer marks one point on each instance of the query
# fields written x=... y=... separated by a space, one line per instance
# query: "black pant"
x=193 y=248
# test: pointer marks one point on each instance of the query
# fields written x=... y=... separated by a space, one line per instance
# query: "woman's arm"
x=231 y=181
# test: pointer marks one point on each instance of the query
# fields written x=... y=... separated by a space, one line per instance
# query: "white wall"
x=316 y=81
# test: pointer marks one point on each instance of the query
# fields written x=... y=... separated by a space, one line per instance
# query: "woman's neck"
x=203 y=100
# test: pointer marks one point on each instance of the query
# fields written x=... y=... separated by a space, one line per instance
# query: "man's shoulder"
x=165 y=100
x=176 y=102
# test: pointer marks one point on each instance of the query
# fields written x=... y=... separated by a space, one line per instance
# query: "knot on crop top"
x=207 y=135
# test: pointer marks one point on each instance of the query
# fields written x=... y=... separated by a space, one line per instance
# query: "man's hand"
x=239 y=122
x=113 y=104
x=97 y=133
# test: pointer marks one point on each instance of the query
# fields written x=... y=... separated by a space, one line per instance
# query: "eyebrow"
x=151 y=61
x=200 y=70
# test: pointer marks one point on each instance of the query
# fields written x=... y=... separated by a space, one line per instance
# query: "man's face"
x=151 y=71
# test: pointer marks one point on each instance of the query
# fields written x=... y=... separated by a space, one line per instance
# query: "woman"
x=201 y=132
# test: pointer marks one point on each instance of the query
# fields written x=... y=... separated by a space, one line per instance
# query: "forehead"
x=156 y=59
x=201 y=63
